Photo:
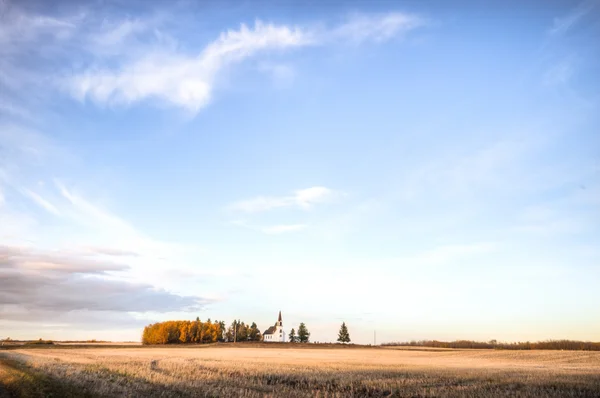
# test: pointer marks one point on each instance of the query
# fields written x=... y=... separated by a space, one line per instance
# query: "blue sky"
x=417 y=169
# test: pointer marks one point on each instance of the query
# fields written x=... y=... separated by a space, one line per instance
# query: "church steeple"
x=279 y=322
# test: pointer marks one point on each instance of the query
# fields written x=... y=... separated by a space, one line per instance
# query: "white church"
x=275 y=333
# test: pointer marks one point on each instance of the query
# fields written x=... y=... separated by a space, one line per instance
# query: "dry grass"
x=256 y=371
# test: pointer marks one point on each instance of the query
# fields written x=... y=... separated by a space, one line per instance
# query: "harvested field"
x=259 y=371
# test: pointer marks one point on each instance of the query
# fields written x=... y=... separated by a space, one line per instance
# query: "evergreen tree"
x=303 y=333
x=253 y=332
x=222 y=332
x=242 y=331
x=343 y=335
x=231 y=332
x=293 y=337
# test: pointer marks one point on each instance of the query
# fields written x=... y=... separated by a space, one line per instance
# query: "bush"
x=40 y=341
x=493 y=344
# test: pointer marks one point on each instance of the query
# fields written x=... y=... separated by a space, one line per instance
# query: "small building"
x=275 y=333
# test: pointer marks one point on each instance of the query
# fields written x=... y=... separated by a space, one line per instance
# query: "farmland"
x=259 y=370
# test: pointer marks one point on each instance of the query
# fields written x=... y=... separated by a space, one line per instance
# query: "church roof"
x=270 y=330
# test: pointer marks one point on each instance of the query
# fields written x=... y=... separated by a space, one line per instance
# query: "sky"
x=419 y=170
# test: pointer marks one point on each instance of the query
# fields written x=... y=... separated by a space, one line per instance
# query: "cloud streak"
x=43 y=203
x=303 y=199
x=565 y=23
x=19 y=28
x=361 y=28
x=447 y=254
x=272 y=229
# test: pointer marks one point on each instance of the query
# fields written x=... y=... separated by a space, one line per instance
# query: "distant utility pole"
x=235 y=332
x=374 y=337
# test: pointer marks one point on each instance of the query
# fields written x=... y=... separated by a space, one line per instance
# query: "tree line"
x=198 y=332
x=494 y=344
x=185 y=332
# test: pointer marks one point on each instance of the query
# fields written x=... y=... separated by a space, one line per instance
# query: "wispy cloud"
x=122 y=236
x=303 y=198
x=10 y=109
x=280 y=229
x=445 y=254
x=183 y=80
x=378 y=28
x=272 y=229
x=565 y=23
x=111 y=251
x=113 y=34
x=125 y=61
x=43 y=203
x=25 y=170
x=188 y=80
x=18 y=28
x=560 y=73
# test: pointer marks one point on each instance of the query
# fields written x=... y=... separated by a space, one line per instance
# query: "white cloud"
x=33 y=159
x=9 y=108
x=114 y=34
x=271 y=229
x=560 y=73
x=188 y=80
x=43 y=203
x=183 y=80
x=377 y=28
x=121 y=62
x=563 y=24
x=18 y=28
x=448 y=253
x=309 y=196
x=303 y=198
x=113 y=233
x=110 y=251
x=280 y=229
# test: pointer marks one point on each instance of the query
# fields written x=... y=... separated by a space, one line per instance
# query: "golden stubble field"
x=262 y=371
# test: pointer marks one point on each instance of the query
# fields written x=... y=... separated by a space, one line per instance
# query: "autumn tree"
x=293 y=337
x=343 y=335
x=303 y=333
x=186 y=332
x=183 y=332
x=206 y=332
